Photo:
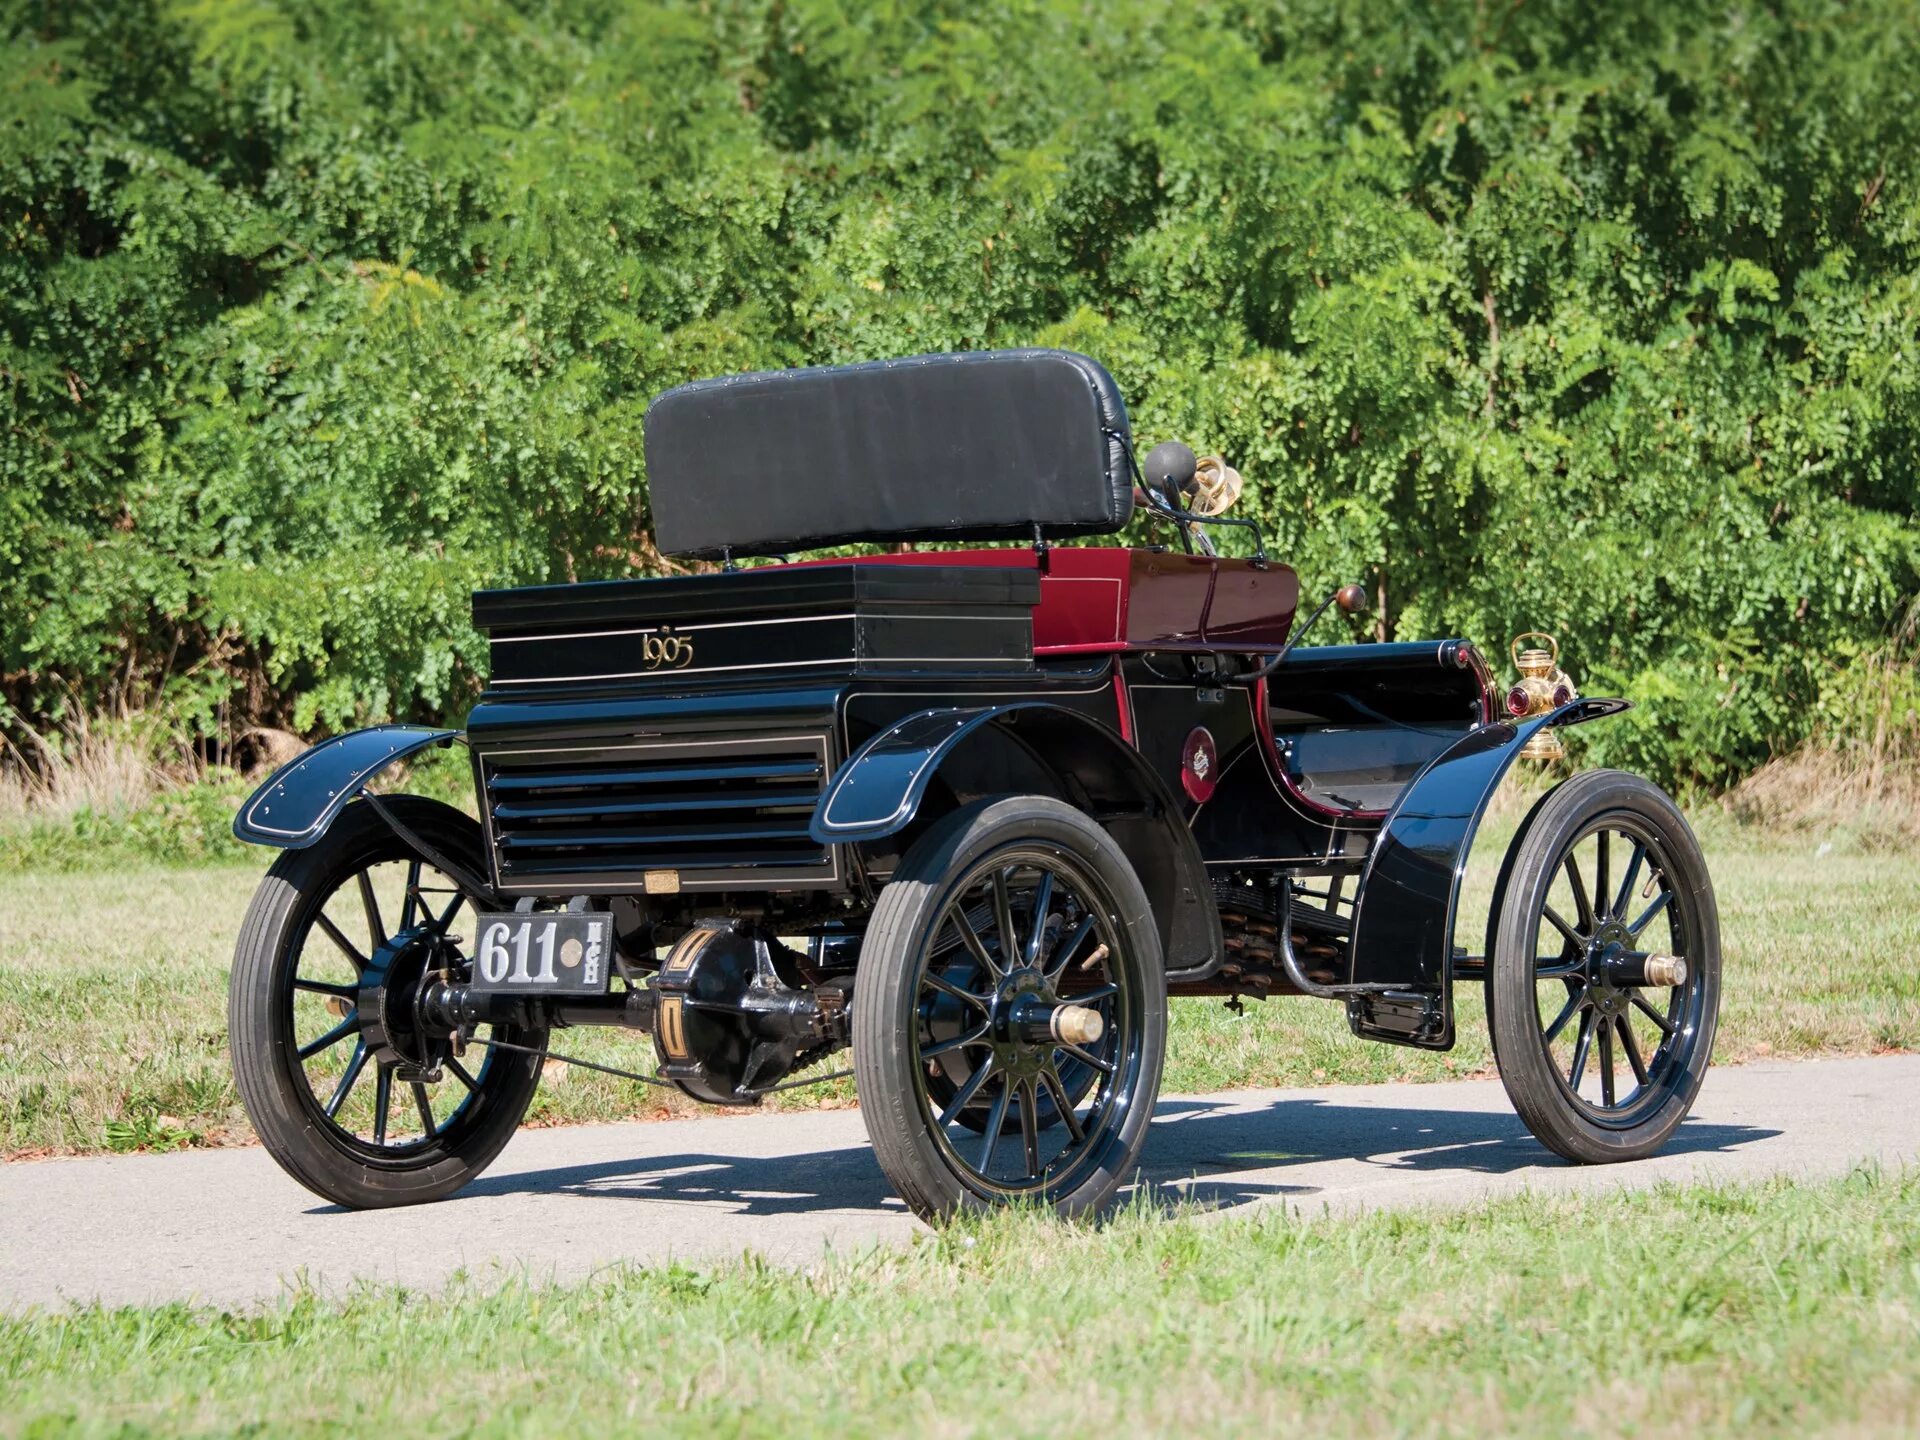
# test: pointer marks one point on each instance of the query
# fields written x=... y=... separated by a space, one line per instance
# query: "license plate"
x=550 y=953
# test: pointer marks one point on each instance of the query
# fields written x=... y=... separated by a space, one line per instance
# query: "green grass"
x=113 y=999
x=1778 y=1309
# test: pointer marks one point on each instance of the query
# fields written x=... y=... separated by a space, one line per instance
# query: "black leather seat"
x=980 y=446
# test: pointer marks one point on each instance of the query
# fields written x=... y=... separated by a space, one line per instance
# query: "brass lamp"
x=1543 y=687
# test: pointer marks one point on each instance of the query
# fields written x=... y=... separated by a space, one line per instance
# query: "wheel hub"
x=1027 y=1021
x=388 y=998
x=1017 y=1001
x=1606 y=964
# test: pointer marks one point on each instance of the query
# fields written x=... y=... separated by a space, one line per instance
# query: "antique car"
x=973 y=813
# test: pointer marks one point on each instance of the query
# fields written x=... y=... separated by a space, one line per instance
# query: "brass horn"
x=1216 y=485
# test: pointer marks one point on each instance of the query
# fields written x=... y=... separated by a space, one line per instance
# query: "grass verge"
x=1778 y=1309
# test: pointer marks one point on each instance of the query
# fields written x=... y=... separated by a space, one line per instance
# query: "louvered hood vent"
x=725 y=813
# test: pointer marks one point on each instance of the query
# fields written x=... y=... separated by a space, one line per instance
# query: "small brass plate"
x=662 y=882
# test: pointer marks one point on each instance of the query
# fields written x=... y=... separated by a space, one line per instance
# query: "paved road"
x=226 y=1227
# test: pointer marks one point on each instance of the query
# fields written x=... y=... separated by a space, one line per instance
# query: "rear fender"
x=880 y=788
x=301 y=799
x=1409 y=895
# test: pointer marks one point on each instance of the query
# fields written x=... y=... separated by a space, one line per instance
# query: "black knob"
x=1169 y=471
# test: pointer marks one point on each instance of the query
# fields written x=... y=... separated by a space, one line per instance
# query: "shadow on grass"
x=1213 y=1154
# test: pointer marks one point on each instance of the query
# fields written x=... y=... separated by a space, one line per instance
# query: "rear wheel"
x=1603 y=989
x=1010 y=1013
x=344 y=1086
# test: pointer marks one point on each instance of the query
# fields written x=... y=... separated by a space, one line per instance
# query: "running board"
x=1401 y=1017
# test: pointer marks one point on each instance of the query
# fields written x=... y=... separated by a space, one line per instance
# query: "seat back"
x=980 y=446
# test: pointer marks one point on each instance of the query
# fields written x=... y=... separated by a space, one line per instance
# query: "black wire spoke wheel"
x=1073 y=965
x=1009 y=1021
x=347 y=1085
x=1604 y=988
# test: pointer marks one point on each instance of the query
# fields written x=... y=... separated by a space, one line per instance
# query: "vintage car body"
x=759 y=753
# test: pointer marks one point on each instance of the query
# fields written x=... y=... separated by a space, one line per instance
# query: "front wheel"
x=345 y=1086
x=1603 y=988
x=1010 y=1013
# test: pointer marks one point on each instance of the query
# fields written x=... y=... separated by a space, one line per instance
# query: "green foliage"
x=1595 y=318
x=182 y=825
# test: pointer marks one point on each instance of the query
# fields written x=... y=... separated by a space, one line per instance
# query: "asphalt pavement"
x=227 y=1227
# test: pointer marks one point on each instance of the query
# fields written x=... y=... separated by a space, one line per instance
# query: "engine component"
x=728 y=1024
x=1250 y=926
x=1543 y=687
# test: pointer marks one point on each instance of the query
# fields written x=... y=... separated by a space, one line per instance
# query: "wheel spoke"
x=1557 y=967
x=959 y=1042
x=1064 y=953
x=321 y=987
x=947 y=987
x=460 y=1074
x=1640 y=1004
x=1098 y=996
x=347 y=947
x=995 y=1122
x=1626 y=882
x=964 y=1096
x=1575 y=999
x=1030 y=1128
x=382 y=1101
x=971 y=939
x=1606 y=1065
x=446 y=916
x=333 y=1037
x=1003 y=921
x=425 y=1106
x=412 y=894
x=1600 y=888
x=1050 y=1077
x=1087 y=1057
x=375 y=931
x=1646 y=918
x=1632 y=1047
x=1582 y=906
x=1579 y=1067
x=1553 y=918
x=1042 y=902
x=352 y=1073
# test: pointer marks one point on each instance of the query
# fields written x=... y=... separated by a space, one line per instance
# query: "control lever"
x=1352 y=600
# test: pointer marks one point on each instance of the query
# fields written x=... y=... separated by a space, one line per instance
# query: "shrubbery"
x=1599 y=318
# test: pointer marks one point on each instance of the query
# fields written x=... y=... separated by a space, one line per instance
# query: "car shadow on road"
x=1194 y=1140
x=1214 y=1153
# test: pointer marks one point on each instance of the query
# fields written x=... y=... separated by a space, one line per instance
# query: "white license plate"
x=550 y=953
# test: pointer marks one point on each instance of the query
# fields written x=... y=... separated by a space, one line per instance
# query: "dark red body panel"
x=1110 y=600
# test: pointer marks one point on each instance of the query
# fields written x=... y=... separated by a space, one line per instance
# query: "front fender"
x=881 y=786
x=300 y=799
x=879 y=790
x=1410 y=891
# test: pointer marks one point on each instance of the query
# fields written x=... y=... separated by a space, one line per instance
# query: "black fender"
x=879 y=790
x=1409 y=893
x=297 y=803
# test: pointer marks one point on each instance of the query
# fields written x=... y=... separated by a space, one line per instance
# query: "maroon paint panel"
x=1252 y=609
x=1108 y=599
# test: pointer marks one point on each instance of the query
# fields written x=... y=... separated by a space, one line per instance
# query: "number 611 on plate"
x=543 y=954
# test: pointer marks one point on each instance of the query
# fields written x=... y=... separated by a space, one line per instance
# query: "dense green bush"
x=1600 y=318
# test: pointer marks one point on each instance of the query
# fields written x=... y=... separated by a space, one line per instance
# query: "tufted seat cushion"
x=976 y=446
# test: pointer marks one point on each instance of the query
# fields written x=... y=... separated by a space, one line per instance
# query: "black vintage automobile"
x=974 y=813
